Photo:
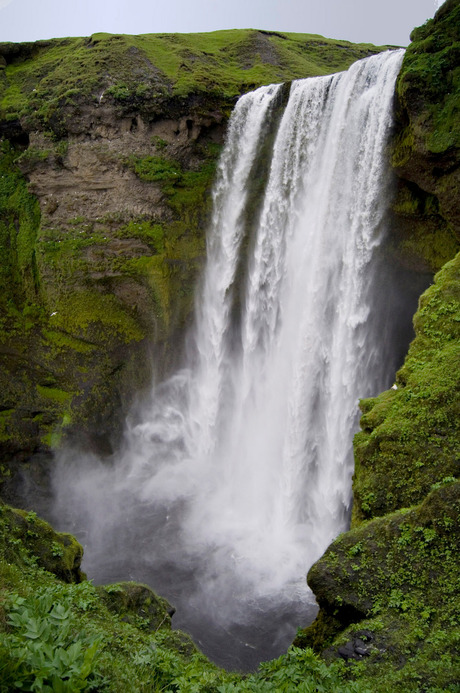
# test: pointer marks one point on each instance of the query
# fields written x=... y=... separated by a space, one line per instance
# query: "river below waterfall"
x=235 y=475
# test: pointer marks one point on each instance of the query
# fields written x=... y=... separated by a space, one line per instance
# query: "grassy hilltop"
x=46 y=75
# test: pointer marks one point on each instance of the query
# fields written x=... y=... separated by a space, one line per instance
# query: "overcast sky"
x=373 y=21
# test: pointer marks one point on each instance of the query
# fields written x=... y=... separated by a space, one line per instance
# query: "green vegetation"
x=100 y=311
x=424 y=239
x=60 y=633
x=43 y=651
x=58 y=630
x=19 y=222
x=44 y=80
x=392 y=586
x=26 y=541
x=431 y=75
x=410 y=435
x=180 y=250
x=155 y=168
x=427 y=143
x=238 y=60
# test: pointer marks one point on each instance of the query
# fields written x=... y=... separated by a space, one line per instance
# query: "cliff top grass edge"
x=221 y=64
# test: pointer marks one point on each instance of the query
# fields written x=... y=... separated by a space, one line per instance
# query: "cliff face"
x=109 y=147
x=426 y=148
x=388 y=589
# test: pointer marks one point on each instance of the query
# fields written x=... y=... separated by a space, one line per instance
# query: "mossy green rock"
x=426 y=147
x=410 y=437
x=137 y=604
x=388 y=593
x=24 y=536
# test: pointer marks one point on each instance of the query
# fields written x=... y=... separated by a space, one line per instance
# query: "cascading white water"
x=241 y=465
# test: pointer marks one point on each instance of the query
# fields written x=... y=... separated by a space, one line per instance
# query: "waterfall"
x=238 y=474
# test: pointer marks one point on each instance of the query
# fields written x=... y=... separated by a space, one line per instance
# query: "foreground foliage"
x=389 y=594
x=72 y=636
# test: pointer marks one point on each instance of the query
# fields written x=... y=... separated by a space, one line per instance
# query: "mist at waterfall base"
x=236 y=474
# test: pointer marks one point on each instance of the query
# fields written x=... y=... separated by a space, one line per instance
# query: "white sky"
x=372 y=21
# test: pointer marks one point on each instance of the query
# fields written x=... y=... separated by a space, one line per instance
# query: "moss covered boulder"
x=389 y=597
x=137 y=603
x=25 y=539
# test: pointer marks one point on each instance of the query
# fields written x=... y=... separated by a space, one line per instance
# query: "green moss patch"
x=88 y=312
x=28 y=541
x=19 y=222
x=137 y=604
x=396 y=580
x=430 y=76
x=423 y=239
x=426 y=146
x=410 y=435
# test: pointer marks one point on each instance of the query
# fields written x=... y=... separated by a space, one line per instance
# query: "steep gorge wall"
x=106 y=272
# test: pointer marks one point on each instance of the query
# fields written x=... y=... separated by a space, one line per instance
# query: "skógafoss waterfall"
x=237 y=474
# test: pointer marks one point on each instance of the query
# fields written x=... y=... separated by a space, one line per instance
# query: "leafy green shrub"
x=45 y=651
x=156 y=169
x=120 y=92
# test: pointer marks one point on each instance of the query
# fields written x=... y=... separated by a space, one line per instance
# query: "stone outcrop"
x=135 y=602
x=57 y=552
x=426 y=149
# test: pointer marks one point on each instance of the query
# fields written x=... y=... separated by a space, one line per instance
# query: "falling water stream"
x=237 y=474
